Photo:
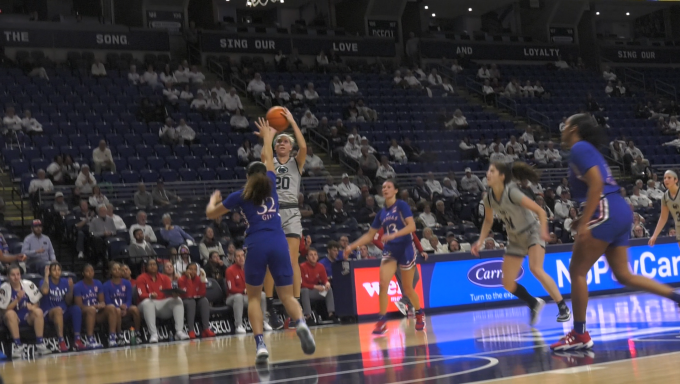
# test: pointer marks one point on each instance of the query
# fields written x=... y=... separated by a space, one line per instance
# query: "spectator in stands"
x=608 y=75
x=214 y=106
x=167 y=77
x=147 y=231
x=183 y=261
x=329 y=188
x=85 y=216
x=308 y=121
x=489 y=93
x=434 y=80
x=369 y=211
x=149 y=77
x=171 y=94
x=239 y=122
x=458 y=121
x=527 y=90
x=653 y=192
x=102 y=227
x=639 y=200
x=315 y=286
x=199 y=103
x=421 y=192
x=31 y=125
x=168 y=133
x=187 y=135
x=431 y=242
x=640 y=169
x=348 y=190
x=231 y=101
x=592 y=105
x=139 y=245
x=620 y=90
x=349 y=86
x=563 y=205
x=38 y=249
x=397 y=152
x=142 y=198
x=352 y=148
x=412 y=81
x=98 y=69
x=512 y=89
x=449 y=189
x=362 y=181
x=97 y=197
x=413 y=152
x=434 y=185
x=638 y=232
x=385 y=171
x=181 y=75
x=161 y=196
x=311 y=95
x=85 y=181
x=57 y=170
x=256 y=86
x=368 y=163
x=11 y=121
x=102 y=158
x=19 y=300
x=573 y=215
x=196 y=76
x=483 y=73
x=541 y=203
x=117 y=220
x=321 y=62
x=444 y=217
x=40 y=184
x=339 y=215
x=561 y=64
x=553 y=155
x=173 y=234
x=639 y=221
x=336 y=86
x=133 y=76
x=609 y=89
x=237 y=227
x=215 y=269
x=60 y=206
x=237 y=298
x=323 y=217
x=169 y=269
x=154 y=302
x=427 y=218
x=541 y=156
x=245 y=153
x=497 y=156
x=471 y=183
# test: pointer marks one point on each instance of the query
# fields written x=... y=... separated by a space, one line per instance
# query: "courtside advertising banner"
x=367 y=288
x=479 y=281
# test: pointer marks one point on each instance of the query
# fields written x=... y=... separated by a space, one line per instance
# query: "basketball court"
x=637 y=340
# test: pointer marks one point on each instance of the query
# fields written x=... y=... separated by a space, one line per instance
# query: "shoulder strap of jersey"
x=489 y=191
x=297 y=166
x=507 y=191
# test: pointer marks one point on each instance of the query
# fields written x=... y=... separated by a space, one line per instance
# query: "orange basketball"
x=276 y=119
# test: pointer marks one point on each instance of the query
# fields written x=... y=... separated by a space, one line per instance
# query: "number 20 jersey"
x=516 y=218
x=673 y=205
x=288 y=179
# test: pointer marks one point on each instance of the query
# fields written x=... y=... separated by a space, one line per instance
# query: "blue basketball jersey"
x=260 y=218
x=117 y=294
x=583 y=157
x=89 y=293
x=22 y=306
x=56 y=296
x=393 y=219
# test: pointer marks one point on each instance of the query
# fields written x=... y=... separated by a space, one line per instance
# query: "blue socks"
x=17 y=342
x=39 y=340
x=91 y=340
x=61 y=339
x=382 y=318
x=580 y=327
x=76 y=336
x=259 y=340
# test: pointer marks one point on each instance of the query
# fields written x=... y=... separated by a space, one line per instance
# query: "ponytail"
x=517 y=170
x=523 y=171
x=257 y=189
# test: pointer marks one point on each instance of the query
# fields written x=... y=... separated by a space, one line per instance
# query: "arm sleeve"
x=231 y=284
x=201 y=288
x=515 y=195
x=376 y=239
x=377 y=223
x=405 y=209
x=583 y=156
x=306 y=283
x=128 y=289
x=142 y=288
x=26 y=249
x=416 y=241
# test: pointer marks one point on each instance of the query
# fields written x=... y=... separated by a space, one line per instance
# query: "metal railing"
x=194 y=53
x=320 y=140
x=507 y=103
x=661 y=87
x=448 y=73
x=473 y=86
x=633 y=76
x=535 y=117
x=215 y=67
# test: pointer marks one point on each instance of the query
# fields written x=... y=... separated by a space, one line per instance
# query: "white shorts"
x=291 y=221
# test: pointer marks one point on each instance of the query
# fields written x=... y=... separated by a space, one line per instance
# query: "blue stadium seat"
x=149 y=176
x=129 y=177
x=206 y=174
x=174 y=162
x=211 y=161
x=192 y=162
x=137 y=163
x=187 y=174
x=155 y=163
x=169 y=175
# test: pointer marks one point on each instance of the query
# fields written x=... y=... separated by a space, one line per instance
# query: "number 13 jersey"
x=516 y=218
x=673 y=205
x=393 y=219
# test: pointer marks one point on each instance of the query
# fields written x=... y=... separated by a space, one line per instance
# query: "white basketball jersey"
x=288 y=180
x=673 y=205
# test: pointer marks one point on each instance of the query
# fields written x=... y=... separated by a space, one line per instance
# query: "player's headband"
x=672 y=173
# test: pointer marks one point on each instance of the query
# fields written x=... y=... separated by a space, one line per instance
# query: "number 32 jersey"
x=673 y=205
x=393 y=219
x=516 y=218
x=260 y=218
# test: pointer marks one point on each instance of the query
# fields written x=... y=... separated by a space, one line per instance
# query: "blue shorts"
x=23 y=317
x=404 y=254
x=612 y=221
x=268 y=249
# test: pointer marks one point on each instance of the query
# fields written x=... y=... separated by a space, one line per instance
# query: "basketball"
x=276 y=119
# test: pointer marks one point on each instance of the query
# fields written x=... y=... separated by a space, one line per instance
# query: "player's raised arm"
x=302 y=144
x=266 y=132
